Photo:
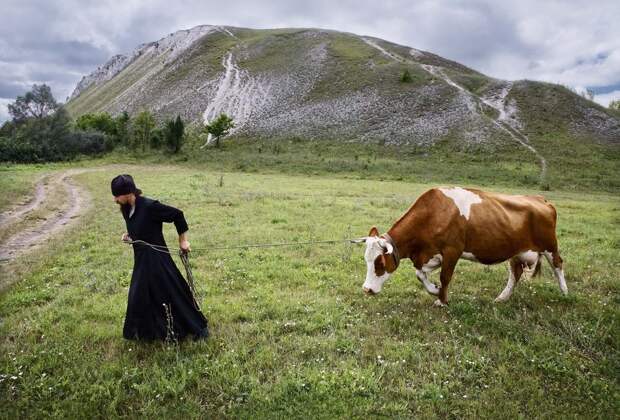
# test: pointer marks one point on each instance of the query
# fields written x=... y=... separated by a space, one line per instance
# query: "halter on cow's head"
x=381 y=260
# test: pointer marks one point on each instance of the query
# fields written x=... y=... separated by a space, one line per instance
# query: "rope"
x=190 y=277
x=188 y=269
x=163 y=248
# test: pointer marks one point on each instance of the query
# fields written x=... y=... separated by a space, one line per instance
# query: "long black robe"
x=156 y=280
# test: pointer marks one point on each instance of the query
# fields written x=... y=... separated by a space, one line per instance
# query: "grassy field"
x=17 y=183
x=292 y=333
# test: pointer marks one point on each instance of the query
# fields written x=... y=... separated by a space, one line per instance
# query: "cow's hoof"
x=433 y=290
x=500 y=299
x=438 y=303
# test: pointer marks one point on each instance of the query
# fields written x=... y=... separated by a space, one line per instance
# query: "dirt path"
x=498 y=103
x=500 y=121
x=57 y=202
x=10 y=216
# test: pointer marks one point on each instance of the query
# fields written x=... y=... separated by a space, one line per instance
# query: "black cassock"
x=156 y=281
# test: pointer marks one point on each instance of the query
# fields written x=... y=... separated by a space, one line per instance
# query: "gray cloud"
x=10 y=89
x=576 y=43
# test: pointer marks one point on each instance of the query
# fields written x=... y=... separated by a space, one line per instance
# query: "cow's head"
x=379 y=262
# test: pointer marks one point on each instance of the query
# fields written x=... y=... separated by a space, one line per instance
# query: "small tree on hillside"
x=38 y=103
x=220 y=127
x=142 y=130
x=406 y=77
x=615 y=105
x=588 y=94
x=173 y=134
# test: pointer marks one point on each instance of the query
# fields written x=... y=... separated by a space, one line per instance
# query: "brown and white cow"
x=446 y=224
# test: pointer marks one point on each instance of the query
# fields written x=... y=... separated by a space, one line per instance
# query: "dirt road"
x=57 y=202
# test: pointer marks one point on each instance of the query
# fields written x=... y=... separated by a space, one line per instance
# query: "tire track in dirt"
x=10 y=216
x=74 y=202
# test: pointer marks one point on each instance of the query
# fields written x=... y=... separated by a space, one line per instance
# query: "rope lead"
x=163 y=248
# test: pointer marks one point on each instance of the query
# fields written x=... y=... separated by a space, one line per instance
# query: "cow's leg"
x=450 y=258
x=430 y=287
x=515 y=269
x=555 y=261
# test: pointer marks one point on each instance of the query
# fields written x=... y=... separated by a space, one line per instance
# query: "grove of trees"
x=41 y=130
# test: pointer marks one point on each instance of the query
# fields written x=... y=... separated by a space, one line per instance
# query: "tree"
x=615 y=105
x=142 y=129
x=173 y=134
x=157 y=138
x=38 y=103
x=102 y=122
x=220 y=127
x=45 y=139
x=122 y=128
x=406 y=77
x=7 y=129
x=41 y=131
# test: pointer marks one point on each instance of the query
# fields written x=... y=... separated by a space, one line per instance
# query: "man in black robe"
x=160 y=303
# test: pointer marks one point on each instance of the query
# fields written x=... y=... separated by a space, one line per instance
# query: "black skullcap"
x=123 y=184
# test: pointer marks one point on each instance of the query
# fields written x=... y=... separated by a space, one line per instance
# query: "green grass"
x=15 y=187
x=546 y=108
x=17 y=183
x=587 y=167
x=473 y=82
x=293 y=334
x=265 y=51
x=355 y=66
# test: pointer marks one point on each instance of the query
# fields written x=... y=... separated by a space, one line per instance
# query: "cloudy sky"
x=572 y=42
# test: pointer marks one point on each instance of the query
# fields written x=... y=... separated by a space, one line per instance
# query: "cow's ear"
x=373 y=231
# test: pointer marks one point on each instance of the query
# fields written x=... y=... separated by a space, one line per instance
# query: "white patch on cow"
x=430 y=287
x=462 y=198
x=559 y=273
x=375 y=247
x=507 y=292
x=432 y=264
x=529 y=259
x=469 y=256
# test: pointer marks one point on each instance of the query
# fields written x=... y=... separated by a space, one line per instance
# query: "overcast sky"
x=573 y=42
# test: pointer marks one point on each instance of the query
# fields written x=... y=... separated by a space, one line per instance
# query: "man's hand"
x=126 y=237
x=184 y=245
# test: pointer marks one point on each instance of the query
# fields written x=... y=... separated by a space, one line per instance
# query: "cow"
x=447 y=224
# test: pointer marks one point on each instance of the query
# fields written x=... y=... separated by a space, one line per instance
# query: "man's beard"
x=125 y=210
